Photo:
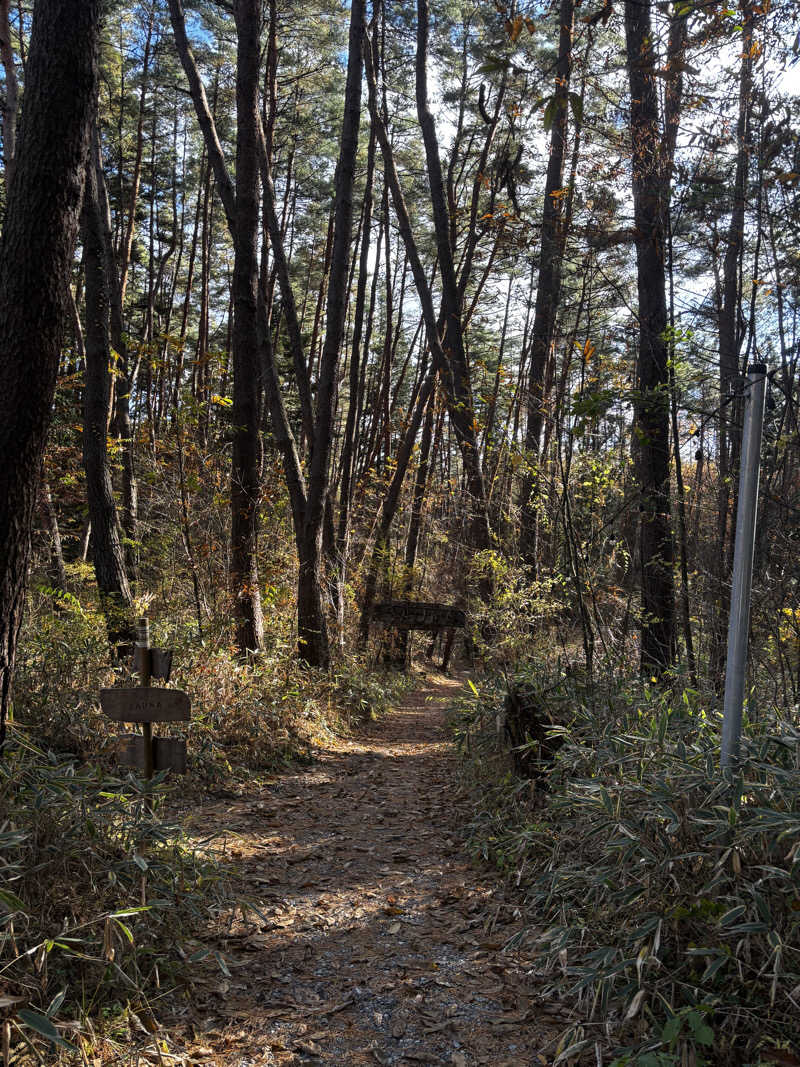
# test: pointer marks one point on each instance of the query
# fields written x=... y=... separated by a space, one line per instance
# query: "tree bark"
x=651 y=420
x=548 y=291
x=107 y=553
x=43 y=209
x=247 y=380
x=453 y=341
x=11 y=100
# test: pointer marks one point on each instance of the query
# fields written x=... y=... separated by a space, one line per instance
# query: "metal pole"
x=739 y=620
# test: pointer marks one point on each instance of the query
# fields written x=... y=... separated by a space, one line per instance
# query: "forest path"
x=381 y=942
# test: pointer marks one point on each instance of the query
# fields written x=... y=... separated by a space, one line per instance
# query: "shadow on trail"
x=372 y=938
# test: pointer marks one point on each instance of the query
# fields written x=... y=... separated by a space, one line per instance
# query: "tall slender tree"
x=247 y=382
x=107 y=553
x=651 y=425
x=452 y=298
x=308 y=495
x=43 y=210
x=548 y=290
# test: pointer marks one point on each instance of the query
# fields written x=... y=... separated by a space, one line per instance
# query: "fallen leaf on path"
x=311 y=1048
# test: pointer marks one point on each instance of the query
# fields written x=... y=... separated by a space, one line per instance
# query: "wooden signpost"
x=401 y=616
x=418 y=615
x=145 y=706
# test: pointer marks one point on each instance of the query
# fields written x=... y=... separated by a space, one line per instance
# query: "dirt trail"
x=375 y=946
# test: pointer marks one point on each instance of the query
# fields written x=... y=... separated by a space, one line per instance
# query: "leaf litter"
x=370 y=937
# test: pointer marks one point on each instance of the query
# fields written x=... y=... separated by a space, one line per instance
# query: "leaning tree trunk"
x=464 y=421
x=391 y=501
x=651 y=428
x=107 y=552
x=43 y=210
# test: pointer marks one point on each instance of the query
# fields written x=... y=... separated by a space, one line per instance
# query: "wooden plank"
x=418 y=615
x=169 y=753
x=145 y=705
x=130 y=751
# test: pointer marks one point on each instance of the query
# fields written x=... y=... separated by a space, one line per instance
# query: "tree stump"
x=526 y=728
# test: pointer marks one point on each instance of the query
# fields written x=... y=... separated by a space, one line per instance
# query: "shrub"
x=247 y=716
x=97 y=896
x=661 y=897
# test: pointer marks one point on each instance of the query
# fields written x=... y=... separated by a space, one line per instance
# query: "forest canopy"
x=488 y=332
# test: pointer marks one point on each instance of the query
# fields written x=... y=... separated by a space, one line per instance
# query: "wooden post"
x=450 y=636
x=142 y=664
x=146 y=705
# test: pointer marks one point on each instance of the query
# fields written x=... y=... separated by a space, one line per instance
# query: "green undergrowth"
x=99 y=902
x=247 y=717
x=662 y=901
x=104 y=904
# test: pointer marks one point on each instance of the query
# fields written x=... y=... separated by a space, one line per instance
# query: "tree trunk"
x=312 y=626
x=10 y=103
x=453 y=343
x=247 y=382
x=391 y=502
x=315 y=652
x=418 y=502
x=122 y=418
x=57 y=571
x=730 y=338
x=651 y=427
x=241 y=206
x=204 y=182
x=107 y=553
x=43 y=209
x=355 y=376
x=673 y=102
x=548 y=291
